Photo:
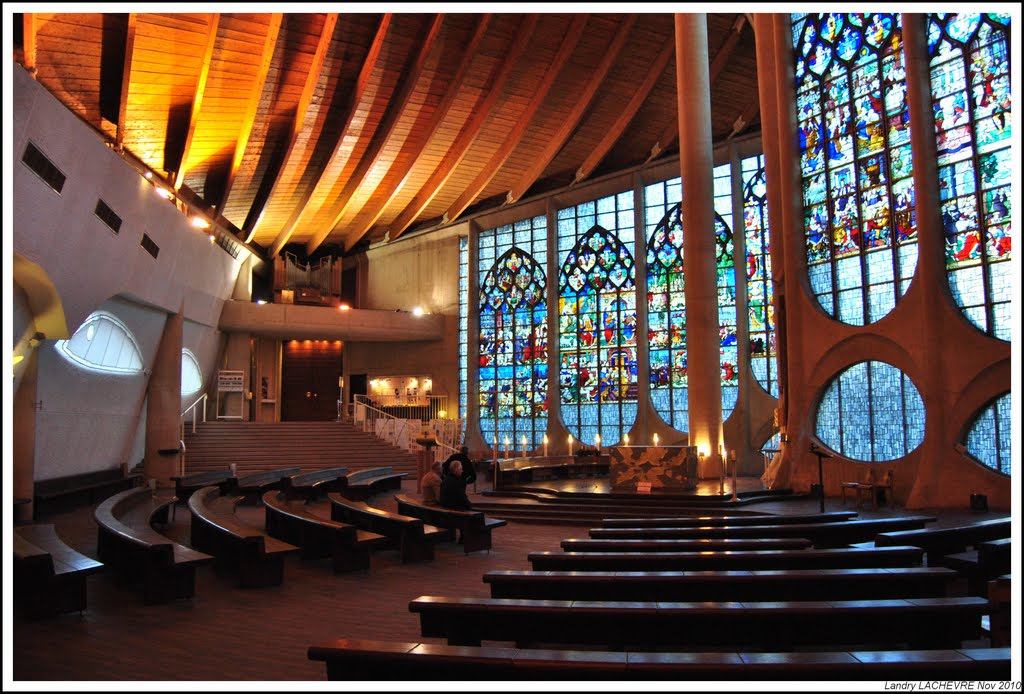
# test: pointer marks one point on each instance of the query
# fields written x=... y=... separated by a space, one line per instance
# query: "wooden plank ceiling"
x=326 y=131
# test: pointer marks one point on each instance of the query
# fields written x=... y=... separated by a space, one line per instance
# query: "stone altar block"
x=666 y=468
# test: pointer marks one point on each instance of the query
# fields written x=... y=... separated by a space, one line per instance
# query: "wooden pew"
x=990 y=560
x=289 y=519
x=475 y=526
x=999 y=601
x=584 y=544
x=64 y=492
x=127 y=542
x=414 y=539
x=360 y=485
x=743 y=560
x=315 y=484
x=822 y=535
x=49 y=576
x=253 y=486
x=778 y=584
x=512 y=471
x=704 y=521
x=258 y=558
x=938 y=543
x=776 y=625
x=186 y=485
x=370 y=660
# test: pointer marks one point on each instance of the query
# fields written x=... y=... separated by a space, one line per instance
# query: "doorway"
x=310 y=371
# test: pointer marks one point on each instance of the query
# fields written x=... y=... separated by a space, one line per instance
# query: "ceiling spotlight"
x=200 y=223
x=148 y=175
x=164 y=193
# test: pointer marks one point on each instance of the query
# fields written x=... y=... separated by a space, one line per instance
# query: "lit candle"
x=655 y=439
x=545 y=445
x=570 y=444
x=625 y=439
x=524 y=445
x=506 y=446
x=597 y=442
x=495 y=446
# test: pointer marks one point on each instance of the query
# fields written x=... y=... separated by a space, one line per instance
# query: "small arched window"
x=988 y=438
x=191 y=375
x=103 y=343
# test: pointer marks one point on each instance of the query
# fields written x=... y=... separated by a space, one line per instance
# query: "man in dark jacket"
x=453 y=488
x=468 y=472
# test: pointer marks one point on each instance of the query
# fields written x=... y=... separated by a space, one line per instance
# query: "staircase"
x=255 y=446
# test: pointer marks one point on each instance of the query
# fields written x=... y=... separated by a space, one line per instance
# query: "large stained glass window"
x=725 y=264
x=760 y=297
x=666 y=304
x=970 y=79
x=858 y=193
x=463 y=324
x=513 y=349
x=988 y=438
x=597 y=319
x=872 y=412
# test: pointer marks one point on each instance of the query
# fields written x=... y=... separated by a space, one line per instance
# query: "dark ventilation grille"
x=43 y=167
x=225 y=242
x=150 y=247
x=108 y=216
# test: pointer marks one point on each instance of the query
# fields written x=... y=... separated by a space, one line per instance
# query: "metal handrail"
x=194 y=410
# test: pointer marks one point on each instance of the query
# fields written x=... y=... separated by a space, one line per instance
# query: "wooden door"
x=310 y=370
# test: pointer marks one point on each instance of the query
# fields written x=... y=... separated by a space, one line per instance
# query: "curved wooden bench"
x=128 y=543
x=186 y=485
x=253 y=486
x=370 y=660
x=475 y=526
x=584 y=544
x=315 y=483
x=83 y=488
x=777 y=625
x=777 y=584
x=822 y=535
x=705 y=521
x=216 y=529
x=290 y=520
x=49 y=576
x=360 y=485
x=742 y=560
x=937 y=543
x=519 y=470
x=414 y=539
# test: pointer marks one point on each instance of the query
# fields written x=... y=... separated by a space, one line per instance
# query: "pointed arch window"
x=103 y=343
x=990 y=434
x=760 y=296
x=858 y=191
x=513 y=351
x=597 y=319
x=970 y=79
x=191 y=375
x=725 y=270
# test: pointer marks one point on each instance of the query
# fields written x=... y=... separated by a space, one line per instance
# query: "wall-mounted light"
x=200 y=223
x=164 y=193
x=34 y=341
x=418 y=311
x=344 y=307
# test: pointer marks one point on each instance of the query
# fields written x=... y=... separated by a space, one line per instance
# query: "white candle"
x=570 y=444
x=545 y=445
x=625 y=439
x=655 y=439
x=495 y=446
x=597 y=442
x=506 y=446
x=524 y=445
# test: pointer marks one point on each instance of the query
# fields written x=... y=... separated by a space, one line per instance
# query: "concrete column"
x=24 y=438
x=696 y=164
x=640 y=433
x=474 y=437
x=558 y=435
x=163 y=414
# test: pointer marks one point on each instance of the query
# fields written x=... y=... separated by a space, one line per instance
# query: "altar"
x=652 y=468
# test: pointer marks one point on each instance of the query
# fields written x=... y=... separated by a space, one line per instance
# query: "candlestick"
x=506 y=446
x=545 y=445
x=495 y=446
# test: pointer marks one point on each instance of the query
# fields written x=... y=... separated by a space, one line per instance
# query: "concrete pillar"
x=163 y=413
x=696 y=165
x=24 y=439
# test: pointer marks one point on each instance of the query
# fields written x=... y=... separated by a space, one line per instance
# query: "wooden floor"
x=227 y=634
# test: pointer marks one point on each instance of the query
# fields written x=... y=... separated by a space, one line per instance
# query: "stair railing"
x=385 y=426
x=194 y=409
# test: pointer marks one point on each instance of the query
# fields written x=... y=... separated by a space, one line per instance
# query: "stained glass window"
x=597 y=318
x=988 y=438
x=513 y=349
x=463 y=324
x=760 y=296
x=871 y=412
x=970 y=80
x=725 y=265
x=666 y=303
x=858 y=192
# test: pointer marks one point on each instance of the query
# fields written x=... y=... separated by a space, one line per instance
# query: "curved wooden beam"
x=457 y=152
x=619 y=126
x=197 y=100
x=381 y=134
x=498 y=159
x=312 y=78
x=365 y=73
x=558 y=139
x=385 y=193
x=126 y=79
x=255 y=96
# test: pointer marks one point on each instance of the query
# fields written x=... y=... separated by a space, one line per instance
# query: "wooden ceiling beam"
x=28 y=43
x=382 y=133
x=622 y=122
x=126 y=79
x=255 y=96
x=744 y=119
x=385 y=193
x=312 y=78
x=498 y=159
x=197 y=100
x=669 y=136
x=557 y=140
x=365 y=73
x=457 y=152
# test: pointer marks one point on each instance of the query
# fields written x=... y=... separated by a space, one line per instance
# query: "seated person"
x=453 y=488
x=430 y=485
x=468 y=471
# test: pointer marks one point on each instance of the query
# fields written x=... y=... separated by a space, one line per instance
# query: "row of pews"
x=716 y=598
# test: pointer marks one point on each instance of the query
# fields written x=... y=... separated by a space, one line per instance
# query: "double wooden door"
x=310 y=371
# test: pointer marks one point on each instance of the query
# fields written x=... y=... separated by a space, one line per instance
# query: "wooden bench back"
x=206 y=505
x=705 y=521
x=938 y=542
x=314 y=476
x=377 y=520
x=266 y=477
x=360 y=476
x=437 y=515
